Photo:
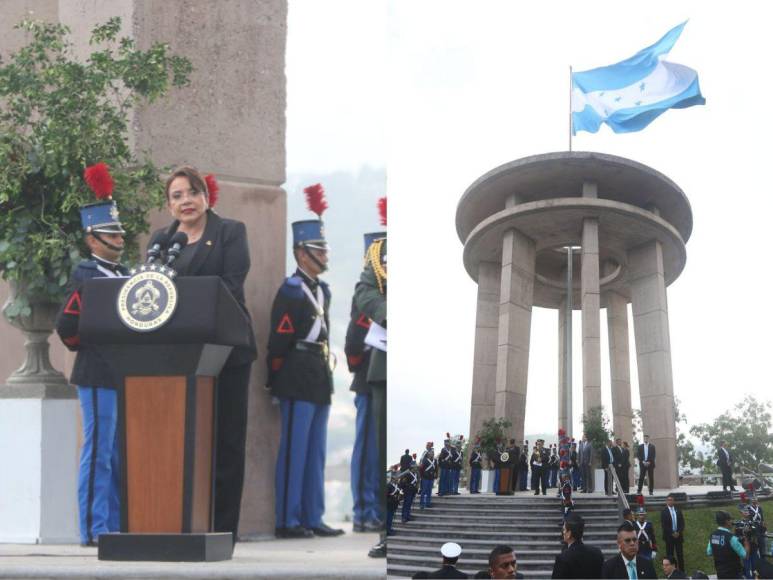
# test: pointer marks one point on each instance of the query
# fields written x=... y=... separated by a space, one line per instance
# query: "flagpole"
x=570 y=108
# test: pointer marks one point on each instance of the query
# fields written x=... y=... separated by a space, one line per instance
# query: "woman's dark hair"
x=192 y=174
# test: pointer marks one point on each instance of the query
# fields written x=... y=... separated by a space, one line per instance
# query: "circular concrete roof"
x=561 y=175
x=555 y=223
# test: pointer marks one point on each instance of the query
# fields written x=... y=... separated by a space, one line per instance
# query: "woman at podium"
x=217 y=246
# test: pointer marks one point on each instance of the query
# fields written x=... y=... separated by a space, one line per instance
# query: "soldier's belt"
x=318 y=347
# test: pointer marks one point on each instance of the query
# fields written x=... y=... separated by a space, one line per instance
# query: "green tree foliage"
x=58 y=115
x=492 y=433
x=747 y=430
x=595 y=424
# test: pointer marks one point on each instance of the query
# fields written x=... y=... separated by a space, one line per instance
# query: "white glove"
x=654 y=554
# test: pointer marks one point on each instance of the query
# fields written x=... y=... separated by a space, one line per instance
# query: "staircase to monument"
x=530 y=524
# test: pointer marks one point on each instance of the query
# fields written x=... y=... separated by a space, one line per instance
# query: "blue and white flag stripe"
x=629 y=95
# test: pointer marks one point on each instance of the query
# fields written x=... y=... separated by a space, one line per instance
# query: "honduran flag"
x=631 y=94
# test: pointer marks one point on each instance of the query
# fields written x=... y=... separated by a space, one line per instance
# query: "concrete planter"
x=487 y=481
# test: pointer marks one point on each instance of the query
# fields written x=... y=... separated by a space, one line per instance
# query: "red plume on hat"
x=98 y=178
x=315 y=198
x=213 y=188
x=382 y=210
x=743 y=496
x=640 y=500
x=561 y=432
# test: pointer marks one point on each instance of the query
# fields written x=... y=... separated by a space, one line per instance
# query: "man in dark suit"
x=501 y=564
x=646 y=456
x=405 y=460
x=451 y=552
x=625 y=481
x=608 y=459
x=586 y=457
x=628 y=563
x=577 y=560
x=672 y=524
x=670 y=569
x=618 y=452
x=725 y=464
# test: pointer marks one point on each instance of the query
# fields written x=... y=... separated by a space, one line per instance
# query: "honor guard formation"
x=739 y=548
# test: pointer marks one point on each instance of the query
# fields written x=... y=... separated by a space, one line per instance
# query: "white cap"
x=450 y=550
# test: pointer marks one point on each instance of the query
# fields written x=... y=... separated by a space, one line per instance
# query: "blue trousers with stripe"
x=300 y=464
x=364 y=464
x=474 y=479
x=425 y=497
x=99 y=477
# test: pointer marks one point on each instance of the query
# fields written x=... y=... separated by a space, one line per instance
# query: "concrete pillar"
x=484 y=368
x=620 y=371
x=564 y=421
x=591 y=317
x=515 y=302
x=653 y=355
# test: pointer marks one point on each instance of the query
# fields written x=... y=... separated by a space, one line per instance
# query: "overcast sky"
x=475 y=85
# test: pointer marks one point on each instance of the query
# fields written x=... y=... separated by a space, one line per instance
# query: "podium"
x=166 y=417
x=505 y=479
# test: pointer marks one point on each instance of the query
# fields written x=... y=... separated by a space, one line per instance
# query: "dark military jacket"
x=357 y=352
x=372 y=302
x=298 y=368
x=90 y=368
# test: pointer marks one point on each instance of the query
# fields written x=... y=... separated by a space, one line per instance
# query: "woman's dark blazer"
x=222 y=251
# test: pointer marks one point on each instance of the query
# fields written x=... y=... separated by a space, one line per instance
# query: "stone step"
x=528 y=568
x=477 y=552
x=493 y=536
x=408 y=571
x=513 y=526
x=522 y=543
x=554 y=516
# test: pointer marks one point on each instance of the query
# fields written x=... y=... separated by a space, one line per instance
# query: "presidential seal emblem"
x=148 y=299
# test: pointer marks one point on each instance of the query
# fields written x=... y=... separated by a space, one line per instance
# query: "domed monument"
x=622 y=226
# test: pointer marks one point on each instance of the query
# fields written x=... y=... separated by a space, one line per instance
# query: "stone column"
x=515 y=302
x=591 y=317
x=484 y=368
x=620 y=371
x=564 y=421
x=653 y=355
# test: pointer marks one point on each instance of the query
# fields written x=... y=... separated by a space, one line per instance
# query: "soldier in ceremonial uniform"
x=392 y=499
x=428 y=472
x=365 y=469
x=300 y=377
x=553 y=466
x=370 y=297
x=523 y=466
x=515 y=459
x=409 y=484
x=538 y=462
x=475 y=469
x=99 y=499
x=645 y=534
x=444 y=463
x=456 y=466
x=755 y=511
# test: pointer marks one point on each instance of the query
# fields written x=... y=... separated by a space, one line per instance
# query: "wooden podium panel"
x=505 y=478
x=155 y=453
x=169 y=442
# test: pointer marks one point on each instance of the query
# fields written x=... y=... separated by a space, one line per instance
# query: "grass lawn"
x=699 y=523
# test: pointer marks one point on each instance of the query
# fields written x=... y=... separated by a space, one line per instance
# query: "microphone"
x=157 y=245
x=176 y=245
